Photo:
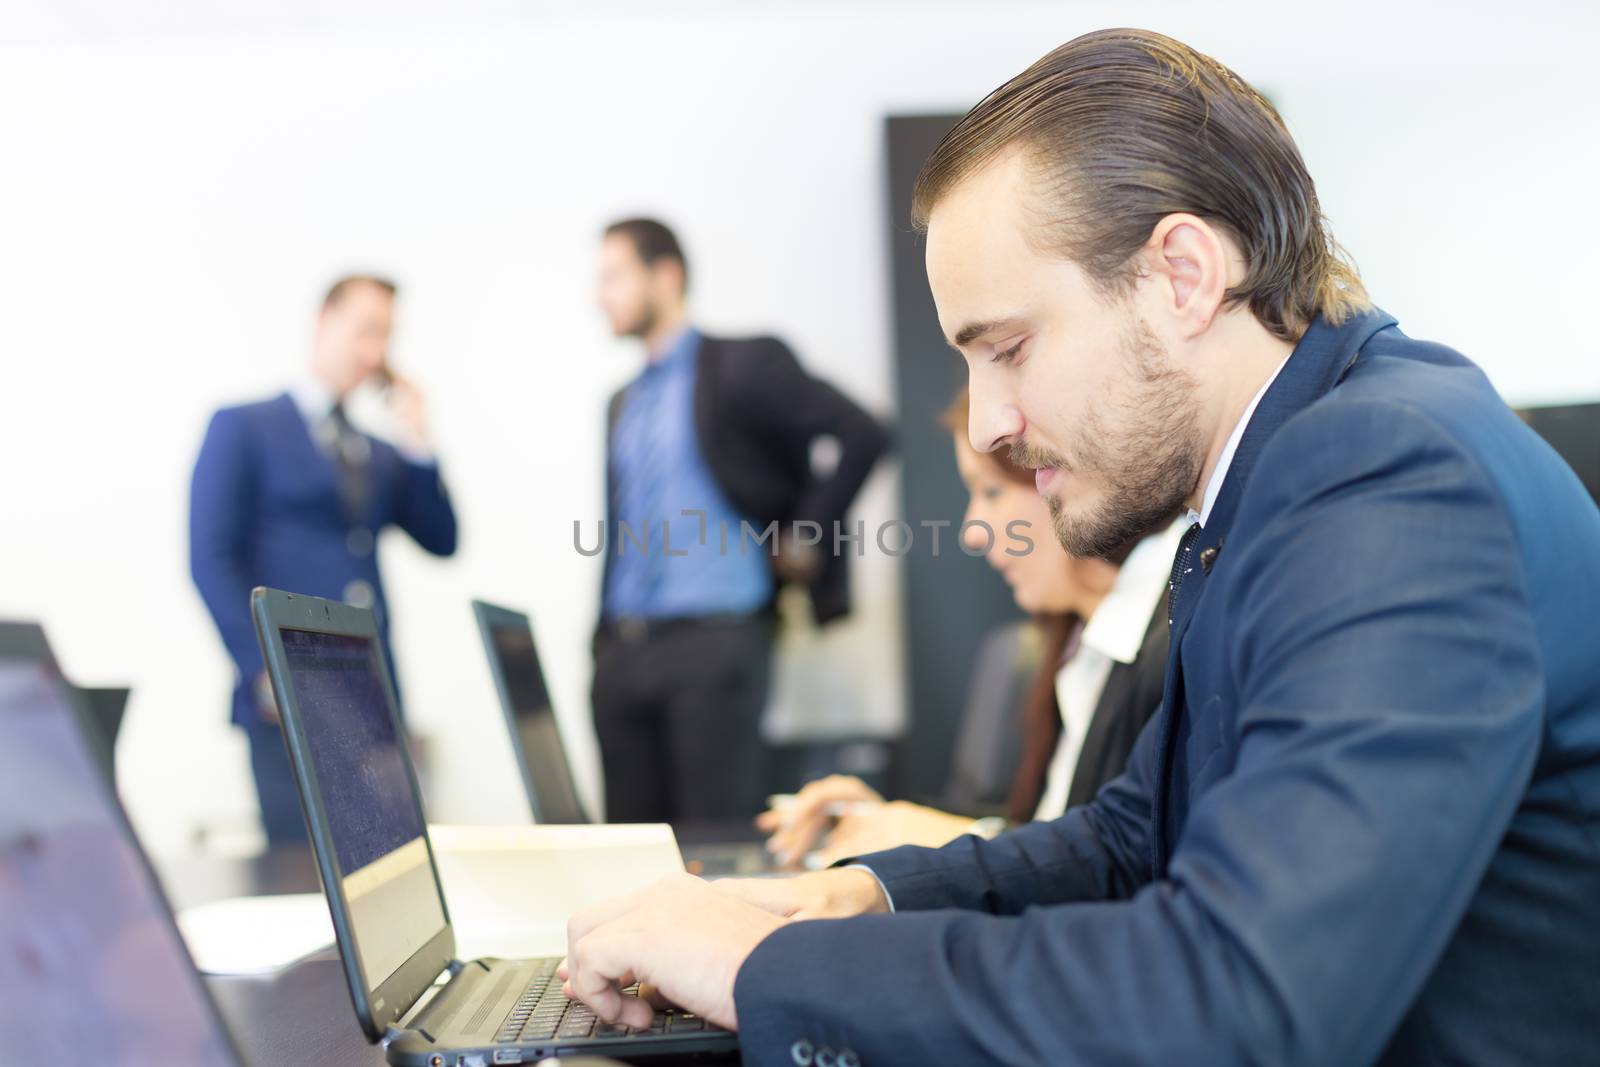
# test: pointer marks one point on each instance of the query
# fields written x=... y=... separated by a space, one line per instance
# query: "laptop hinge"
x=452 y=968
x=396 y=1032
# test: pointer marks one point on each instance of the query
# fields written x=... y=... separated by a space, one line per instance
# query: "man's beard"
x=1146 y=468
x=643 y=324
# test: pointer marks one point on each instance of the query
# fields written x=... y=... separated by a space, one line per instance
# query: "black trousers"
x=677 y=711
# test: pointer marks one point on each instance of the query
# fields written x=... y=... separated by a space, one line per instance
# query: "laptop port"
x=508 y=1055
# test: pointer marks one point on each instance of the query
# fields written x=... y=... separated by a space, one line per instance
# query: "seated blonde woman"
x=1105 y=645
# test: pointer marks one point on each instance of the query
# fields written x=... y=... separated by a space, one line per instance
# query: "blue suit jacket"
x=1365 y=825
x=264 y=509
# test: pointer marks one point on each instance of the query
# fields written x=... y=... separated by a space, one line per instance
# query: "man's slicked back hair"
x=1120 y=128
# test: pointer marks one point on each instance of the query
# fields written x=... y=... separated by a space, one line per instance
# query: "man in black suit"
x=715 y=499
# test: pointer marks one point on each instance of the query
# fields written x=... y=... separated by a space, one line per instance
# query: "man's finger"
x=600 y=995
x=597 y=973
x=583 y=922
x=588 y=982
x=636 y=1012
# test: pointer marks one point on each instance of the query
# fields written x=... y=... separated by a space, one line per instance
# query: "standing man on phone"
x=287 y=492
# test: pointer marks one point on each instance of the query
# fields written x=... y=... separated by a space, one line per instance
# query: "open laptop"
x=542 y=758
x=530 y=717
x=92 y=967
x=376 y=862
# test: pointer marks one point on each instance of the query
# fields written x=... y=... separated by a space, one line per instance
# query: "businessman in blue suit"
x=1363 y=826
x=288 y=493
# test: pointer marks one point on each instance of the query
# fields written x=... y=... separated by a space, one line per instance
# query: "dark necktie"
x=351 y=454
x=1182 y=564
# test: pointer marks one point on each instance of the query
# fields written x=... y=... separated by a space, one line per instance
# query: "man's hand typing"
x=679 y=936
x=686 y=939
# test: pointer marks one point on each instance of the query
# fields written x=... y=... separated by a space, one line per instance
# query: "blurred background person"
x=288 y=493
x=713 y=433
x=1103 y=629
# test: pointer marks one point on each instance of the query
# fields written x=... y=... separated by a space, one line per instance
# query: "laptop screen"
x=372 y=810
x=91 y=964
x=549 y=776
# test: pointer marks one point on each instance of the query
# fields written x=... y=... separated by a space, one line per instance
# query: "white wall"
x=179 y=182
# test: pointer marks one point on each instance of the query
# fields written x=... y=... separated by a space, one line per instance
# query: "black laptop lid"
x=361 y=799
x=106 y=706
x=92 y=967
x=535 y=735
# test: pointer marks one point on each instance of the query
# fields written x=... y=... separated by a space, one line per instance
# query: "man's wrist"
x=775 y=924
x=881 y=902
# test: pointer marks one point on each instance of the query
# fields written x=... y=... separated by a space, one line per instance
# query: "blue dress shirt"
x=663 y=563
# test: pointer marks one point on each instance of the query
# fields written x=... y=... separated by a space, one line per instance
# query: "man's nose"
x=993 y=419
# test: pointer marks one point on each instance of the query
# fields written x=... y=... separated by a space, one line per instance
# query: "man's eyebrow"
x=974 y=330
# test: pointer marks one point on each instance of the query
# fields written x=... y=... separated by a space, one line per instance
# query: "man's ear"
x=1188 y=261
x=669 y=275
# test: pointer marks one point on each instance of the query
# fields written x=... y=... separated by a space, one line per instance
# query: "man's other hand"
x=410 y=411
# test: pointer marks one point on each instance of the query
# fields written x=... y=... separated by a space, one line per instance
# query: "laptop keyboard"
x=543 y=1012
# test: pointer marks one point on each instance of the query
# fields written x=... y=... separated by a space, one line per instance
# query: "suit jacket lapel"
x=314 y=461
x=707 y=382
x=1324 y=356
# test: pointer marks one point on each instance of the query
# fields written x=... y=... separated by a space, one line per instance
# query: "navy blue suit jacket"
x=1365 y=826
x=264 y=509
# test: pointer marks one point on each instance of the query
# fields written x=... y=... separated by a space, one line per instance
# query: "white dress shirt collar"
x=314 y=400
x=1225 y=460
x=1118 y=625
